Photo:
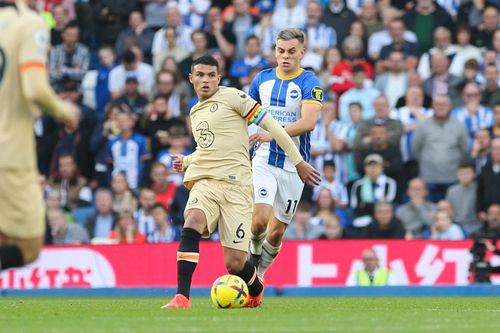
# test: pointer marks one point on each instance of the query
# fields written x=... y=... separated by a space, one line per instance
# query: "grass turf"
x=278 y=314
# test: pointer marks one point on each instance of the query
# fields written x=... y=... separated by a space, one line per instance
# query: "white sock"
x=269 y=253
x=256 y=243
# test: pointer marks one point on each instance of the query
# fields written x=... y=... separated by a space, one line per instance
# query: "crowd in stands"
x=408 y=141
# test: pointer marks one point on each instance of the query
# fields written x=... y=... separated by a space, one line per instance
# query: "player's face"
x=289 y=53
x=205 y=80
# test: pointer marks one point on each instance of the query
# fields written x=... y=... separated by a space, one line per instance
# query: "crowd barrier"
x=299 y=264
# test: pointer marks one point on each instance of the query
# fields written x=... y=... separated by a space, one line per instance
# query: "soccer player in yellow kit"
x=24 y=84
x=219 y=176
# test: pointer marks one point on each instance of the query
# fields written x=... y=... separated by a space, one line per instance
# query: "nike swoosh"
x=236 y=242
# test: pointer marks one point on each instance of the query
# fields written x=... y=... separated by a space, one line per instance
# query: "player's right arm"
x=182 y=162
x=34 y=76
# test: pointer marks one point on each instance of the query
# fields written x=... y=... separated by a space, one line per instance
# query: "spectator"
x=491 y=224
x=53 y=201
x=444 y=228
x=165 y=191
x=100 y=224
x=342 y=77
x=64 y=233
x=137 y=34
x=470 y=12
x=495 y=129
x=131 y=96
x=331 y=59
x=123 y=198
x=337 y=189
x=107 y=61
x=480 y=152
x=252 y=59
x=387 y=36
x=219 y=36
x=199 y=39
x=488 y=182
x=70 y=58
x=374 y=187
x=292 y=15
x=71 y=186
x=462 y=196
x=441 y=81
x=442 y=43
x=359 y=93
x=414 y=80
x=384 y=225
x=473 y=115
x=142 y=216
x=172 y=49
x=167 y=84
x=439 y=144
x=241 y=24
x=154 y=13
x=465 y=50
x=417 y=214
x=393 y=84
x=128 y=152
x=333 y=229
x=61 y=19
x=325 y=206
x=323 y=142
x=491 y=91
x=131 y=64
x=483 y=34
x=126 y=231
x=409 y=49
x=371 y=274
x=193 y=12
x=165 y=231
x=173 y=18
x=303 y=227
x=409 y=116
x=381 y=118
x=179 y=143
x=226 y=78
x=320 y=37
x=111 y=16
x=379 y=144
x=424 y=18
x=338 y=16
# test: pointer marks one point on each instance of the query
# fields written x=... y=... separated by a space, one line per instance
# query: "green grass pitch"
x=278 y=314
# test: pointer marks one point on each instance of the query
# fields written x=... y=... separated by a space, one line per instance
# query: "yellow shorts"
x=21 y=208
x=228 y=206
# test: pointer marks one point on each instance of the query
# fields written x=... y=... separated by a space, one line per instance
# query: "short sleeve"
x=34 y=46
x=254 y=89
x=312 y=93
x=243 y=104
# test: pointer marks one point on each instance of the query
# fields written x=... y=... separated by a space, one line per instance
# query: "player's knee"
x=234 y=265
x=195 y=220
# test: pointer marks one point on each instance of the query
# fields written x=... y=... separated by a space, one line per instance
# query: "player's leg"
x=265 y=187
x=22 y=224
x=18 y=252
x=290 y=189
x=196 y=218
x=234 y=231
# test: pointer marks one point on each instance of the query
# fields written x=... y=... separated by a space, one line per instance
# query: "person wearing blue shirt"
x=294 y=98
x=241 y=68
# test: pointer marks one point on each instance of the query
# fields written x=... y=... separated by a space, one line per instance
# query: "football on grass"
x=229 y=291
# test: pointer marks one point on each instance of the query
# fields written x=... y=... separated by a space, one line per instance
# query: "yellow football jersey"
x=220 y=130
x=24 y=42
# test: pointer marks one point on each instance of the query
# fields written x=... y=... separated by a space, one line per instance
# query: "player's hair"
x=205 y=60
x=290 y=34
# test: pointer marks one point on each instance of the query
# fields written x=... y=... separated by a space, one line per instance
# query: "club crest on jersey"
x=214 y=107
x=263 y=192
x=294 y=94
x=317 y=93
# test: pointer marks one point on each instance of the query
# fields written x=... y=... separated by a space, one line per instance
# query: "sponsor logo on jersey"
x=193 y=201
x=214 y=107
x=263 y=192
x=317 y=93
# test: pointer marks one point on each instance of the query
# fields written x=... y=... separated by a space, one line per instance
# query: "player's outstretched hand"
x=260 y=138
x=178 y=162
x=308 y=174
x=73 y=120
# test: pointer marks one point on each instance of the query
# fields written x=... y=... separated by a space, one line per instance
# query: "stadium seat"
x=82 y=213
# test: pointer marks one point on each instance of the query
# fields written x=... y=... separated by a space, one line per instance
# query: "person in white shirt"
x=292 y=15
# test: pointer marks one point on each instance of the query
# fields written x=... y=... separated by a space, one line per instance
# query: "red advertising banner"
x=300 y=263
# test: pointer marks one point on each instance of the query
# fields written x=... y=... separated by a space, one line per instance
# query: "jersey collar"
x=289 y=77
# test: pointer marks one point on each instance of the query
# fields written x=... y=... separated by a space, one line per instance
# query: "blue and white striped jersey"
x=283 y=97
